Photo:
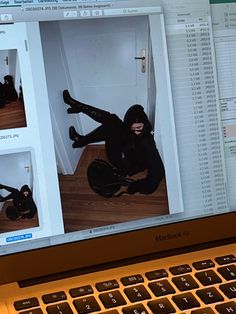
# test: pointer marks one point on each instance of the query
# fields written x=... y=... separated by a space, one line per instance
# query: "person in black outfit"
x=2 y=96
x=23 y=203
x=130 y=146
x=7 y=91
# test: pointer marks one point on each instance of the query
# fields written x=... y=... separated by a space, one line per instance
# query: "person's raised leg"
x=111 y=132
x=95 y=136
x=76 y=106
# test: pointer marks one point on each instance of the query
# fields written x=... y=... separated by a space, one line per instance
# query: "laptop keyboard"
x=202 y=287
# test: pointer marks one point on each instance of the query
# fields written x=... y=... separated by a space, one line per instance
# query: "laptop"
x=170 y=251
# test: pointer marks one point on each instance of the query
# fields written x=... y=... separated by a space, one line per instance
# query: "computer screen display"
x=148 y=87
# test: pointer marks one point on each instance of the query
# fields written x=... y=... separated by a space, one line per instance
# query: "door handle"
x=6 y=60
x=143 y=60
x=139 y=58
x=27 y=168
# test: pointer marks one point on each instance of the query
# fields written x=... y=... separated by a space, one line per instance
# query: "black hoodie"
x=23 y=203
x=140 y=153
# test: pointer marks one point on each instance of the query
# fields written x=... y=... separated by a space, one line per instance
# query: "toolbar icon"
x=85 y=13
x=96 y=12
x=70 y=14
x=6 y=17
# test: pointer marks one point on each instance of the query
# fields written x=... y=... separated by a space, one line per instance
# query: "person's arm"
x=155 y=171
x=29 y=209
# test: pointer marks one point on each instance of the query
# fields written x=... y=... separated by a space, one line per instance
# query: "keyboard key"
x=161 y=306
x=137 y=293
x=206 y=310
x=229 y=289
x=26 y=304
x=156 y=274
x=112 y=299
x=54 y=297
x=110 y=312
x=210 y=295
x=226 y=308
x=135 y=309
x=185 y=301
x=107 y=285
x=86 y=305
x=181 y=269
x=61 y=308
x=80 y=291
x=184 y=283
x=203 y=264
x=225 y=259
x=208 y=277
x=32 y=311
x=228 y=272
x=131 y=280
x=161 y=288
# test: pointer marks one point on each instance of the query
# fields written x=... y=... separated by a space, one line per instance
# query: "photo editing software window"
x=70 y=71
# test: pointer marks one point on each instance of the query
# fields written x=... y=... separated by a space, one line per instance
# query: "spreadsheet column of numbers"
x=197 y=116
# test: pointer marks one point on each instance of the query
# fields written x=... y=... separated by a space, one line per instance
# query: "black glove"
x=133 y=187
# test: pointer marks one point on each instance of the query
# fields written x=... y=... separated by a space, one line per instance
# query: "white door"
x=4 y=64
x=9 y=65
x=104 y=63
x=95 y=60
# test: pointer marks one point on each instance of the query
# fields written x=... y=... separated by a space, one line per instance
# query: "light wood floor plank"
x=83 y=208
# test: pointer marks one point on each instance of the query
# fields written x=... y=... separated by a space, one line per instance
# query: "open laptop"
x=172 y=251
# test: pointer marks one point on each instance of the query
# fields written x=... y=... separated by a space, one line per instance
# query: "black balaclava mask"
x=25 y=188
x=8 y=79
x=136 y=114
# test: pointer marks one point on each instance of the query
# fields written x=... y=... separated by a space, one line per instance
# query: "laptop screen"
x=147 y=86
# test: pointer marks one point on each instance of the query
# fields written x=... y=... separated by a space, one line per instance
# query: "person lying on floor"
x=129 y=144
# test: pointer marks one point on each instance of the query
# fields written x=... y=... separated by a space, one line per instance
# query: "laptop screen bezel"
x=117 y=247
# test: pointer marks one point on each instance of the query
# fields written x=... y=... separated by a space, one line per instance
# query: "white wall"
x=14 y=68
x=4 y=68
x=151 y=93
x=58 y=79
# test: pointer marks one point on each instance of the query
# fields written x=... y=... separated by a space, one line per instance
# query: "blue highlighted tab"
x=19 y=237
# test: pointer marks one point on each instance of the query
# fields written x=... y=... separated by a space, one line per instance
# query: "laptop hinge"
x=124 y=262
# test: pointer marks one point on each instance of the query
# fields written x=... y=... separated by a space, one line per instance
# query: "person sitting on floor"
x=130 y=146
x=8 y=92
x=22 y=200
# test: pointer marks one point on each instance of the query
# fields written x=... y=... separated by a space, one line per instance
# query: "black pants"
x=112 y=131
x=2 y=96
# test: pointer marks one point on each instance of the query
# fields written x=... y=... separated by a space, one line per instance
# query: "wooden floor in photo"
x=12 y=116
x=7 y=225
x=83 y=208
